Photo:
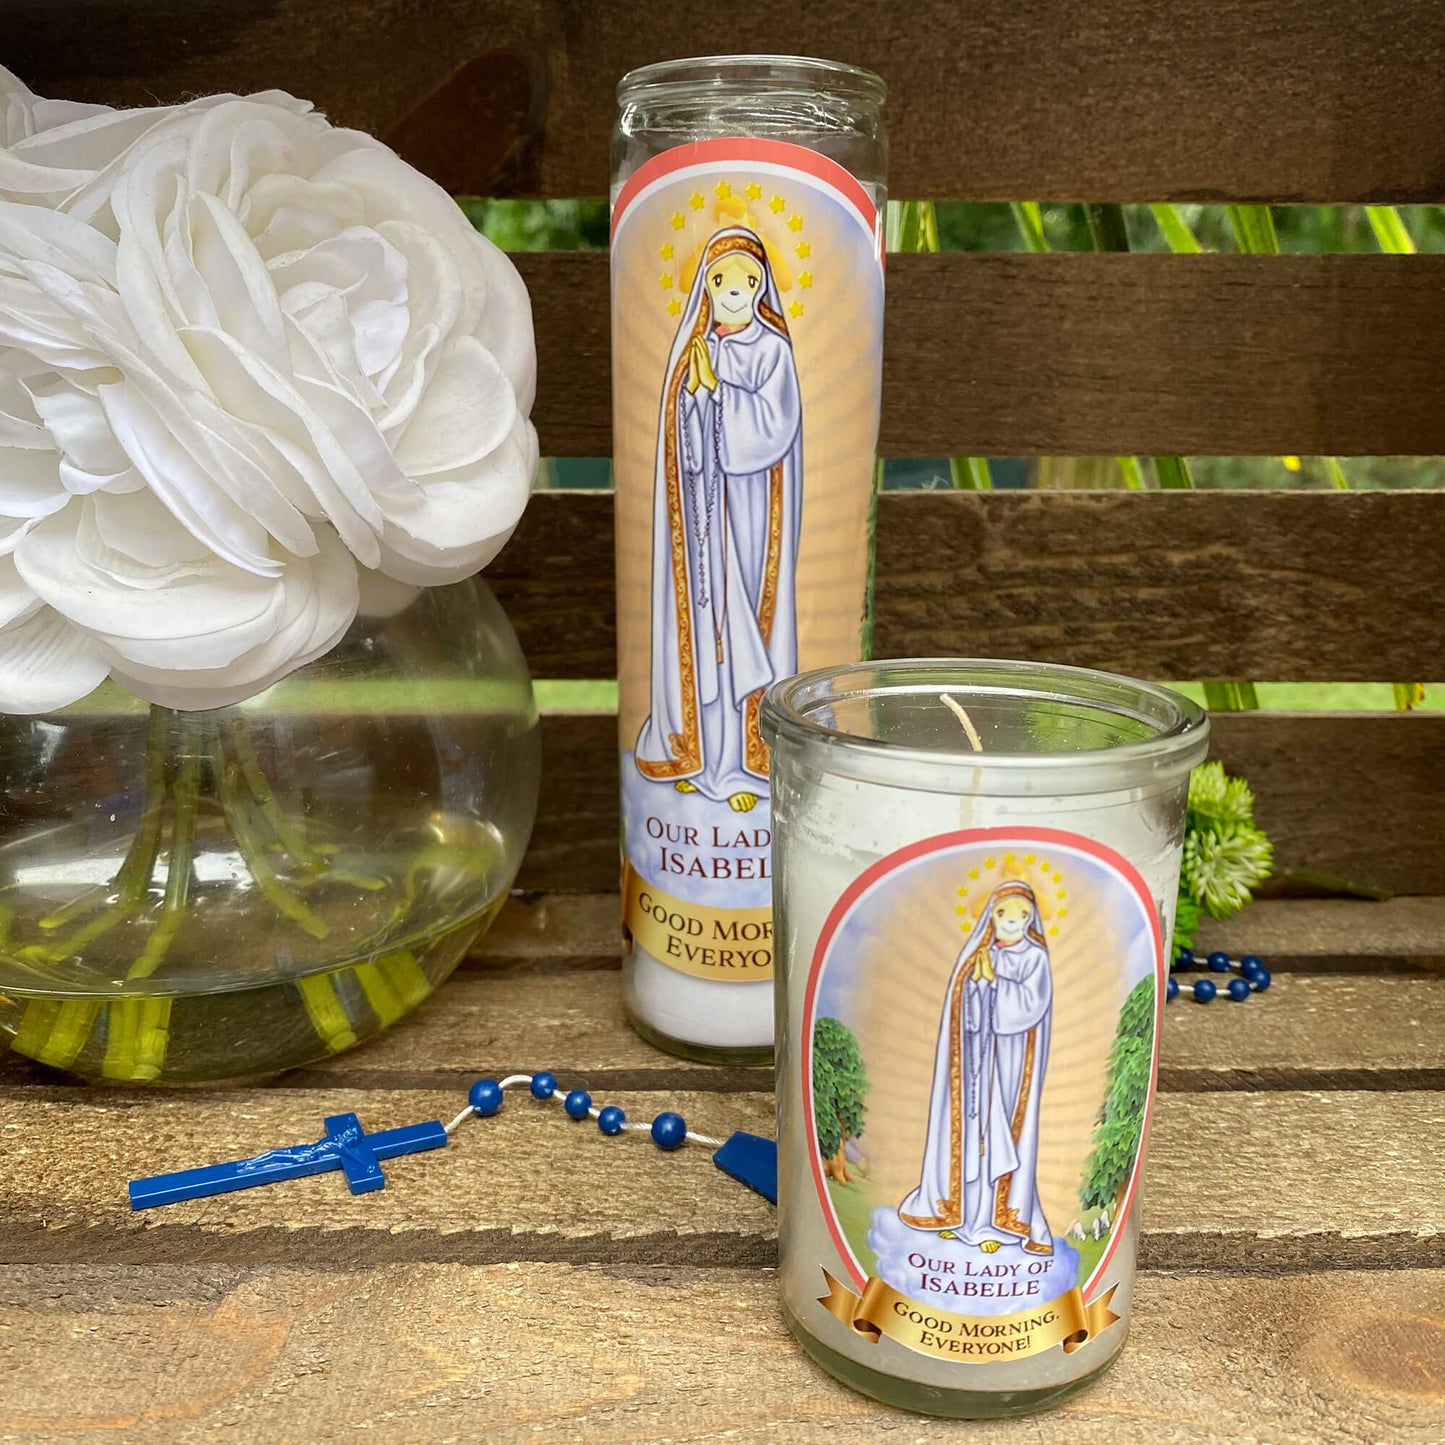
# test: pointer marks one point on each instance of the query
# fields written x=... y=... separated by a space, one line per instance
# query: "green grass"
x=568 y=696
x=853 y=1204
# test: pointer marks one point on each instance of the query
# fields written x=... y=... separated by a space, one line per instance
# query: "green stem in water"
x=186 y=793
x=134 y=875
x=287 y=833
x=228 y=784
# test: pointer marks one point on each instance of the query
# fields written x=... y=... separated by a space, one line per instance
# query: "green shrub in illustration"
x=1116 y=1138
x=840 y=1084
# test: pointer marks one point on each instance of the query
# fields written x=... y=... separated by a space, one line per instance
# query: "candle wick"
x=961 y=713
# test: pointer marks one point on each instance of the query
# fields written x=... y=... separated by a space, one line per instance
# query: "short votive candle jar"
x=976 y=868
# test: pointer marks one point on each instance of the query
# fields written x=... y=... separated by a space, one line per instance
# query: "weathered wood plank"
x=530 y=1184
x=1330 y=1031
x=540 y=930
x=1357 y=794
x=1318 y=932
x=514 y=1353
x=1279 y=586
x=1093 y=100
x=1094 y=355
x=1334 y=1032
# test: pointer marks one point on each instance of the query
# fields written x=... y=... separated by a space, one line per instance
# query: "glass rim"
x=1182 y=726
x=777 y=74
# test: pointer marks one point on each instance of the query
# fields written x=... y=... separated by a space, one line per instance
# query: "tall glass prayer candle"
x=977 y=865
x=747 y=319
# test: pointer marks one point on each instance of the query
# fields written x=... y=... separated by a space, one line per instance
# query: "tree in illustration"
x=839 y=1086
x=1121 y=1121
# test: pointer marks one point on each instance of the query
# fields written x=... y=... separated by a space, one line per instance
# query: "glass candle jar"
x=976 y=872
x=747 y=316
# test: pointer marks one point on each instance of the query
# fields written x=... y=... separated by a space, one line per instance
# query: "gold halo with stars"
x=1013 y=865
x=765 y=211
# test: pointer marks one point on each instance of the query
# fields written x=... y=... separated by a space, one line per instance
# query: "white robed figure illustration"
x=727 y=505
x=978 y=1179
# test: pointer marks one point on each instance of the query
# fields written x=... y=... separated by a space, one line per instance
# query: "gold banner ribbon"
x=734 y=945
x=880 y=1310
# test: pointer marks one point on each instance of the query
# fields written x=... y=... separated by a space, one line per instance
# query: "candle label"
x=981 y=1017
x=747 y=305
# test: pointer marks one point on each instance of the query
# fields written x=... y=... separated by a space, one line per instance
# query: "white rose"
x=50 y=149
x=248 y=366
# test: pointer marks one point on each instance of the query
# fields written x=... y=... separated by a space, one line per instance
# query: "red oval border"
x=938 y=844
x=742 y=149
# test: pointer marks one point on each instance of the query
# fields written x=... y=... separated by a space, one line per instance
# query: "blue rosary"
x=1251 y=976
x=748 y=1158
x=346 y=1146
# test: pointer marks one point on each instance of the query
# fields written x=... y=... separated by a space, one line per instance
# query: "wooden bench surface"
x=537 y=1281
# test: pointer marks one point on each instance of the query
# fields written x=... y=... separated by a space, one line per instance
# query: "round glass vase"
x=221 y=894
x=976 y=868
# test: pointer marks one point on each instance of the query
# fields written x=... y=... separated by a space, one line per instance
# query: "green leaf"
x=1175 y=230
x=1030 y=221
x=1254 y=231
x=1389 y=229
x=1107 y=227
x=1173 y=474
x=1336 y=474
x=1231 y=697
x=970 y=474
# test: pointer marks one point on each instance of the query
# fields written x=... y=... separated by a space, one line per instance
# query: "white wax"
x=698 y=1010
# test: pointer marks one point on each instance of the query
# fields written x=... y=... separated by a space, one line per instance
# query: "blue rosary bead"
x=669 y=1131
x=1171 y=988
x=1251 y=967
x=1184 y=958
x=544 y=1085
x=1219 y=961
x=1204 y=991
x=1239 y=989
x=577 y=1104
x=1249 y=961
x=1261 y=980
x=611 y=1120
x=485 y=1097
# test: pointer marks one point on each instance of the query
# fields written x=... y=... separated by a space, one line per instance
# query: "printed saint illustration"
x=726 y=514
x=979 y=1164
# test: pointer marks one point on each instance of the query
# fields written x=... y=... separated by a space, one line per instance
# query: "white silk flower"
x=255 y=371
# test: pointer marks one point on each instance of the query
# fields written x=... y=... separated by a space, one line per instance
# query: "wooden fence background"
x=1280 y=100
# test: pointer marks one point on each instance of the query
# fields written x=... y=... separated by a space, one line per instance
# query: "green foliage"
x=840 y=1085
x=539 y=225
x=1121 y=1120
x=1225 y=852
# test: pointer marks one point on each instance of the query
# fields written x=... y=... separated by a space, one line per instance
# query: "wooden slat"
x=1358 y=795
x=561 y=930
x=1310 y=1032
x=1004 y=355
x=1321 y=932
x=1097 y=100
x=1221 y=1192
x=1280 y=586
x=517 y=1353
x=1365 y=985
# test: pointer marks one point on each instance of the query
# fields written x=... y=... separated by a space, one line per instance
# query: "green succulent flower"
x=1215 y=797
x=1222 y=864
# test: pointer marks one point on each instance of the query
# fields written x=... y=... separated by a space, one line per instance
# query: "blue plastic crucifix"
x=347 y=1146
